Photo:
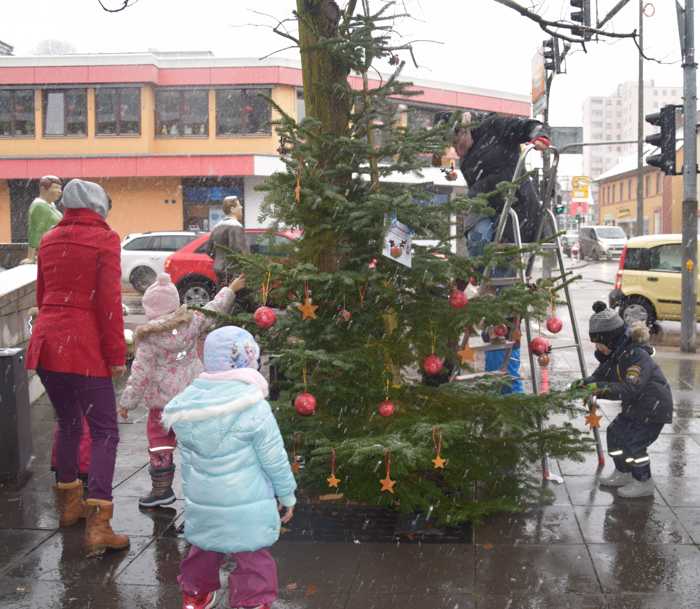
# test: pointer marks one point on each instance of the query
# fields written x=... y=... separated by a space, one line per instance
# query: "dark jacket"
x=80 y=328
x=493 y=157
x=630 y=374
x=228 y=236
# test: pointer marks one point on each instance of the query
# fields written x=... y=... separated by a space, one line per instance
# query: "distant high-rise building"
x=6 y=49
x=614 y=118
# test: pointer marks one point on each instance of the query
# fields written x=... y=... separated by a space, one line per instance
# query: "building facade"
x=614 y=118
x=168 y=135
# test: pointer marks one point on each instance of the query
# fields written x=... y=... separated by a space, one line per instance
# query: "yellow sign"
x=580 y=187
x=689 y=266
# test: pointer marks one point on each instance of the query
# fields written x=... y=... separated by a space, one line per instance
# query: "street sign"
x=580 y=188
x=539 y=83
x=564 y=137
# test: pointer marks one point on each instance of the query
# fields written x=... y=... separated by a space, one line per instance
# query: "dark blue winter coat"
x=631 y=375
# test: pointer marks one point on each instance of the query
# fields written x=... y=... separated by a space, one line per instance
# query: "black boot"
x=162 y=491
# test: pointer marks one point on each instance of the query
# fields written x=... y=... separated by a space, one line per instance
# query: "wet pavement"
x=587 y=549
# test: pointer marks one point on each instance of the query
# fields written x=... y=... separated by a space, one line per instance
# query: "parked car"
x=601 y=242
x=192 y=270
x=143 y=255
x=648 y=282
x=567 y=240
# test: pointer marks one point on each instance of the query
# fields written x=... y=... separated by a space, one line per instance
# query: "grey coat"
x=228 y=236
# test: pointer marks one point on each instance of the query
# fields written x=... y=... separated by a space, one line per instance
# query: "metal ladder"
x=547 y=220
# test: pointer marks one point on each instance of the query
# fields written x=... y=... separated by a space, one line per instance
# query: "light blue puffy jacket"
x=233 y=464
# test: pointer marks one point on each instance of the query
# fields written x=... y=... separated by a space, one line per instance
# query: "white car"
x=144 y=254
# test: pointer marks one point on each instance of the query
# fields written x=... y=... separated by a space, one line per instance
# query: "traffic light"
x=581 y=14
x=559 y=206
x=665 y=140
x=552 y=56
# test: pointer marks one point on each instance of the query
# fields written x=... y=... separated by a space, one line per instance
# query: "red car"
x=192 y=270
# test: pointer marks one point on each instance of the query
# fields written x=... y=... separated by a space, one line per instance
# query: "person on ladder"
x=488 y=155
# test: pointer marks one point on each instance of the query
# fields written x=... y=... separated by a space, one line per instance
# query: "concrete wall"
x=17 y=296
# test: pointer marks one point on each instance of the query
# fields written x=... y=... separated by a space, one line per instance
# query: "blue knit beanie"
x=230 y=347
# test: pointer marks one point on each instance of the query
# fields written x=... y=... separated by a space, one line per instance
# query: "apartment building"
x=168 y=135
x=614 y=118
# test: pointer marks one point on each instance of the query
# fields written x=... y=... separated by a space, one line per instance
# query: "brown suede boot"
x=69 y=498
x=99 y=535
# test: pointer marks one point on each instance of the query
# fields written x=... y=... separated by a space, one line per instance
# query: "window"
x=266 y=244
x=658 y=183
x=637 y=259
x=140 y=243
x=16 y=112
x=614 y=192
x=666 y=258
x=172 y=243
x=182 y=113
x=65 y=112
x=243 y=112
x=629 y=189
x=647 y=185
x=118 y=111
x=301 y=105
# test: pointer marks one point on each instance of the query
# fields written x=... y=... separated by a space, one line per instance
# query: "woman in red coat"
x=77 y=348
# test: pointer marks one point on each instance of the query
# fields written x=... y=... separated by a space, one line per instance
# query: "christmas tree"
x=364 y=343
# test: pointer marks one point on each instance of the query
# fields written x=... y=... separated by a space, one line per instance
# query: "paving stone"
x=555 y=524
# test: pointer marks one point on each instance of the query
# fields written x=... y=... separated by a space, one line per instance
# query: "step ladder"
x=547 y=229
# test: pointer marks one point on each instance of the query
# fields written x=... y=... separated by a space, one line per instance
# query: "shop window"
x=182 y=113
x=243 y=112
x=65 y=112
x=118 y=111
x=16 y=112
x=301 y=105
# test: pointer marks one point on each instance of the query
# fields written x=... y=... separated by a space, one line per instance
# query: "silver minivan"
x=601 y=242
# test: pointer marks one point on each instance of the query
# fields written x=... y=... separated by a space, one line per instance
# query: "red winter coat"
x=80 y=327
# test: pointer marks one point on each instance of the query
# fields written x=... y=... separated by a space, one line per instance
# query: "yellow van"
x=648 y=282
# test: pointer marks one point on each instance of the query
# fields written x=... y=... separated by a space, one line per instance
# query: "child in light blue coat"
x=235 y=470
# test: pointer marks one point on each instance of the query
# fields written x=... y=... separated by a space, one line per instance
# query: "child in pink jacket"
x=166 y=362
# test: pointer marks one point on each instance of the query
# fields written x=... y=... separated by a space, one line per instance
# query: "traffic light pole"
x=690 y=196
x=640 y=126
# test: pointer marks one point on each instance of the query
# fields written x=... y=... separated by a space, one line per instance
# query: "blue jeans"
x=479 y=236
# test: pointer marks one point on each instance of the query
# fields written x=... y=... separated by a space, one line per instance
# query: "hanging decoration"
x=264 y=316
x=387 y=483
x=438 y=461
x=305 y=402
x=540 y=345
x=308 y=309
x=554 y=323
x=296 y=465
x=458 y=299
x=333 y=482
x=297 y=186
x=433 y=364
x=386 y=408
x=466 y=354
x=593 y=419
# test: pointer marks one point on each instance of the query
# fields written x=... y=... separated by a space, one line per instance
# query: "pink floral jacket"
x=166 y=359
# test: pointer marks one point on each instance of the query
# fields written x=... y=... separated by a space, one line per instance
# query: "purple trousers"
x=253 y=582
x=75 y=395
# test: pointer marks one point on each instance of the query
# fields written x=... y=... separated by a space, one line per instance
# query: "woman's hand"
x=238 y=283
x=288 y=513
x=117 y=371
x=123 y=413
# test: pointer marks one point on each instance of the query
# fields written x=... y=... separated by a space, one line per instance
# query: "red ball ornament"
x=305 y=404
x=540 y=345
x=395 y=251
x=458 y=299
x=500 y=331
x=386 y=408
x=265 y=317
x=433 y=364
x=554 y=325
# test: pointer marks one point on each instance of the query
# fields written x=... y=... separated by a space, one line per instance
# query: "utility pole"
x=690 y=195
x=640 y=126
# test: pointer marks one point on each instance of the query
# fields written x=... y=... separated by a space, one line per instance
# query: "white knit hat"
x=161 y=297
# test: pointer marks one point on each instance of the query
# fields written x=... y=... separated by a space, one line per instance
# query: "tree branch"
x=547 y=24
x=125 y=4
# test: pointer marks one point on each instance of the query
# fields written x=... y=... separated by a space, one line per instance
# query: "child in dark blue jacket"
x=628 y=373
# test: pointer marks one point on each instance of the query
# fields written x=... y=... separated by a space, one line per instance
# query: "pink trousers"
x=161 y=443
x=253 y=582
